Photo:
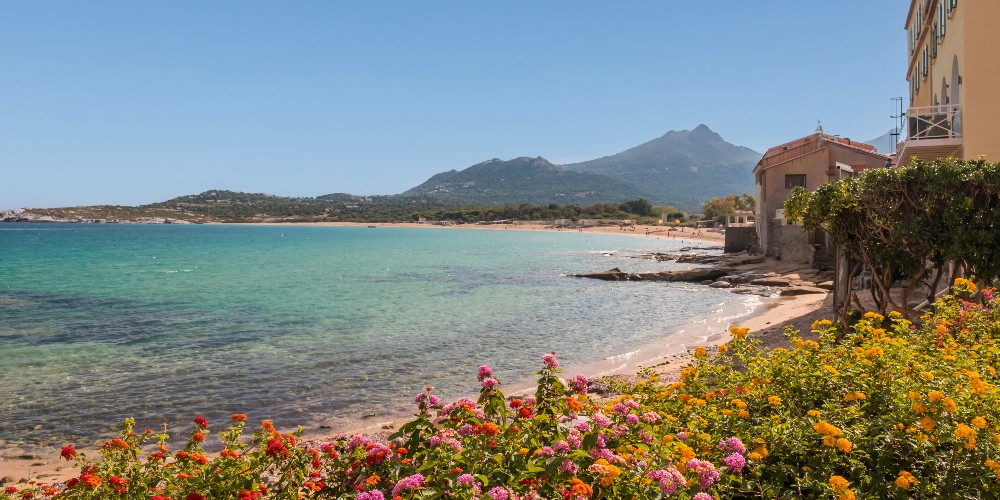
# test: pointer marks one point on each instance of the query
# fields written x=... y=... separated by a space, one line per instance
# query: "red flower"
x=194 y=496
x=11 y=489
x=198 y=437
x=239 y=417
x=276 y=449
x=68 y=452
x=120 y=485
x=201 y=422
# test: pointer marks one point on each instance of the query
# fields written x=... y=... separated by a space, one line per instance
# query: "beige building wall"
x=981 y=78
x=965 y=71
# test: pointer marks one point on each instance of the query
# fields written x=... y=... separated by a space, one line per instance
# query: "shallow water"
x=302 y=325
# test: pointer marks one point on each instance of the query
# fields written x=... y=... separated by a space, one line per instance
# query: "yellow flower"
x=522 y=451
x=844 y=445
x=905 y=480
x=964 y=431
x=723 y=348
x=739 y=403
x=874 y=315
x=826 y=428
x=935 y=396
x=913 y=395
x=928 y=376
x=831 y=369
x=727 y=412
x=813 y=344
x=979 y=422
x=738 y=332
x=774 y=400
x=829 y=441
x=875 y=352
x=813 y=413
x=687 y=453
x=700 y=352
x=949 y=404
x=928 y=423
x=744 y=414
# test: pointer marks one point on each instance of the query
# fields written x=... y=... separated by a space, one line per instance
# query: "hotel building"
x=954 y=76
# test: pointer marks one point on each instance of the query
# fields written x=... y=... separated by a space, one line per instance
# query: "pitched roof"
x=811 y=143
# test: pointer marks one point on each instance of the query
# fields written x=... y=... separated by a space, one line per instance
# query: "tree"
x=718 y=209
x=639 y=207
x=910 y=223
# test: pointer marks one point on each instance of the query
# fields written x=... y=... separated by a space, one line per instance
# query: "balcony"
x=931 y=132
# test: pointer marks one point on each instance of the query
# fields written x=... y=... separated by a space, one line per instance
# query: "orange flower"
x=580 y=488
x=239 y=417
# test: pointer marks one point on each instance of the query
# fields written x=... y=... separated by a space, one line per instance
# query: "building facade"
x=808 y=162
x=954 y=79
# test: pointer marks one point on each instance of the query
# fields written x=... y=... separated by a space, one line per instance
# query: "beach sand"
x=667 y=357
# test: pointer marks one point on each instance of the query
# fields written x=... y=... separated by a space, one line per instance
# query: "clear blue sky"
x=137 y=102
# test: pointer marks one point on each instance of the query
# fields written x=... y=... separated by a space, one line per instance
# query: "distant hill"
x=523 y=180
x=885 y=143
x=683 y=168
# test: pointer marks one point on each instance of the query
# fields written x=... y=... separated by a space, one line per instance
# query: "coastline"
x=667 y=357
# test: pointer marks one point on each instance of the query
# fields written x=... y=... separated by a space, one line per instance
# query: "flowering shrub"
x=886 y=409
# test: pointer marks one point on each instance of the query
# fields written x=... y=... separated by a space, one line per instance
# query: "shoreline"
x=667 y=356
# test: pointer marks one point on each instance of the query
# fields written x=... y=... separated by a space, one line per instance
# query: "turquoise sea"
x=302 y=325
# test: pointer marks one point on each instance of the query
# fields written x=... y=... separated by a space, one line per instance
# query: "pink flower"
x=733 y=445
x=569 y=467
x=600 y=420
x=498 y=493
x=707 y=474
x=549 y=360
x=484 y=372
x=408 y=483
x=735 y=463
x=578 y=384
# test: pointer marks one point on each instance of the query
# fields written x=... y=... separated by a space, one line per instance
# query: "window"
x=952 y=4
x=923 y=65
x=941 y=22
x=934 y=41
x=795 y=180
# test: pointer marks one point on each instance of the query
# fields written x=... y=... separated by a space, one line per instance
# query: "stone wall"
x=740 y=238
x=790 y=243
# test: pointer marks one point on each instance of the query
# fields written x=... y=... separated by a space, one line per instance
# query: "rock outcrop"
x=688 y=275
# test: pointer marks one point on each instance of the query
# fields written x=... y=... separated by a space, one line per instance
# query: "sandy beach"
x=667 y=357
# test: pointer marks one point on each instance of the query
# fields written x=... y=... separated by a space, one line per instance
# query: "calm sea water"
x=302 y=325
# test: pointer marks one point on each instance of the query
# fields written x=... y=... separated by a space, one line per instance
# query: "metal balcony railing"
x=934 y=122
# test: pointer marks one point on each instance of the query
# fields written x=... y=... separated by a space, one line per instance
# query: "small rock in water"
x=28 y=456
x=721 y=284
x=368 y=415
x=387 y=426
x=38 y=427
x=325 y=427
x=8 y=480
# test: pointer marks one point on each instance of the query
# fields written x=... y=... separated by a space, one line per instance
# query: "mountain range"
x=683 y=168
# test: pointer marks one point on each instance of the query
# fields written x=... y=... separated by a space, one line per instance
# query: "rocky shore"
x=740 y=272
